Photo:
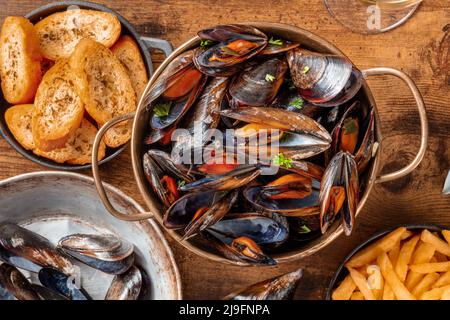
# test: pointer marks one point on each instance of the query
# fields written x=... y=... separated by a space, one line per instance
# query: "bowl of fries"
x=405 y=263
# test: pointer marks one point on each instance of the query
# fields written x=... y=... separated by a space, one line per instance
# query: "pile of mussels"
x=240 y=78
x=23 y=249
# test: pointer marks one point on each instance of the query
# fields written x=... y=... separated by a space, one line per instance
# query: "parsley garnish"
x=306 y=69
x=298 y=103
x=270 y=78
x=281 y=161
x=350 y=126
x=205 y=43
x=304 y=229
x=162 y=109
x=181 y=183
x=276 y=42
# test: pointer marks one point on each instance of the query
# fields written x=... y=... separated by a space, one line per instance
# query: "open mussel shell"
x=325 y=80
x=211 y=215
x=180 y=214
x=126 y=286
x=242 y=249
x=61 y=283
x=258 y=85
x=14 y=285
x=231 y=180
x=264 y=229
x=30 y=251
x=277 y=119
x=154 y=174
x=305 y=205
x=164 y=160
x=107 y=252
x=277 y=46
x=339 y=192
x=278 y=288
x=236 y=44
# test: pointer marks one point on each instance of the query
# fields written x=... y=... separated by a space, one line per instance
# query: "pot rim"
x=341 y=268
x=120 y=194
x=153 y=204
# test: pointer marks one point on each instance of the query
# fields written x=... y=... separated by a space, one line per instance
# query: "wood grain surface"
x=420 y=48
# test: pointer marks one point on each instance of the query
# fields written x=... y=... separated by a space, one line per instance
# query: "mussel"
x=276 y=46
x=278 y=288
x=27 y=250
x=339 y=192
x=242 y=249
x=194 y=205
x=258 y=85
x=47 y=294
x=230 y=47
x=325 y=80
x=126 y=286
x=263 y=229
x=13 y=285
x=61 y=283
x=106 y=252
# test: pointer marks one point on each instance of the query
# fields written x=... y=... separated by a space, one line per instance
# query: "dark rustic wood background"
x=420 y=48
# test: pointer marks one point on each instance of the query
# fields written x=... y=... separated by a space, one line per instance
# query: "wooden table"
x=420 y=48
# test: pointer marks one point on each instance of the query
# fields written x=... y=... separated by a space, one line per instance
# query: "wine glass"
x=372 y=16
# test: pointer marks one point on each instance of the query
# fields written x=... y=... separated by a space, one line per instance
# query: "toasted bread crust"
x=107 y=89
x=18 y=120
x=60 y=32
x=58 y=108
x=20 y=60
x=127 y=51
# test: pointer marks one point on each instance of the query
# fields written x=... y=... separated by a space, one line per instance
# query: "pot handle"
x=160 y=44
x=423 y=121
x=98 y=180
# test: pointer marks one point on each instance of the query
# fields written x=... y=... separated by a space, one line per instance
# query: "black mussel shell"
x=126 y=286
x=64 y=285
x=107 y=253
x=47 y=294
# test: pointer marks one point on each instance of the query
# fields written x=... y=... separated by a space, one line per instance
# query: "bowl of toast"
x=66 y=69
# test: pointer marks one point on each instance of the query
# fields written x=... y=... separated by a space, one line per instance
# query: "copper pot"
x=310 y=41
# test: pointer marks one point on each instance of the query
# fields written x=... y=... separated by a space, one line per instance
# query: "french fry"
x=390 y=276
x=425 y=284
x=345 y=289
x=388 y=294
x=393 y=254
x=431 y=267
x=434 y=294
x=439 y=244
x=361 y=283
x=423 y=254
x=375 y=280
x=357 y=295
x=404 y=257
x=440 y=257
x=446 y=295
x=446 y=235
x=406 y=235
x=371 y=253
x=444 y=280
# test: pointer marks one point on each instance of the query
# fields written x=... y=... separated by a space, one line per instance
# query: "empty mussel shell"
x=126 y=286
x=107 y=252
x=278 y=288
x=14 y=285
x=63 y=284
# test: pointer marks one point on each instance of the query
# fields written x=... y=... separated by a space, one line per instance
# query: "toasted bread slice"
x=127 y=51
x=108 y=91
x=18 y=119
x=20 y=60
x=78 y=151
x=58 y=108
x=60 y=32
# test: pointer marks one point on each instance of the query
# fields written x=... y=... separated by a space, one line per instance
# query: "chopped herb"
x=162 y=109
x=181 y=183
x=276 y=42
x=297 y=103
x=281 y=161
x=205 y=43
x=304 y=229
x=350 y=126
x=270 y=78
x=306 y=69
